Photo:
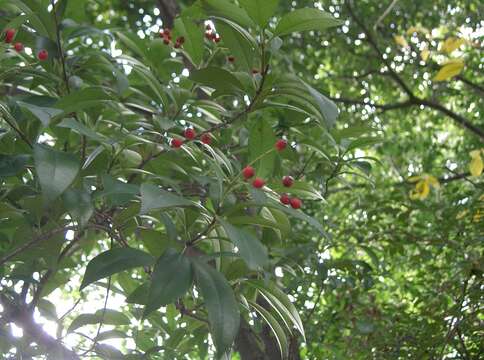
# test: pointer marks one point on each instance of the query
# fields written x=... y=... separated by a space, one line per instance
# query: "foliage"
x=130 y=237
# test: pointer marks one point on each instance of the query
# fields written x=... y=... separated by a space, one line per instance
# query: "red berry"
x=231 y=59
x=181 y=39
x=287 y=181
x=42 y=55
x=18 y=46
x=281 y=144
x=176 y=143
x=177 y=45
x=285 y=199
x=166 y=41
x=217 y=39
x=208 y=35
x=166 y=31
x=248 y=172
x=206 y=138
x=258 y=183
x=9 y=34
x=189 y=134
x=296 y=203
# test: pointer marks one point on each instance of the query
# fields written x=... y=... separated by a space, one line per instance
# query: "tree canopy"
x=241 y=179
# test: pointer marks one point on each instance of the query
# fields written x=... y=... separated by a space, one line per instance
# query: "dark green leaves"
x=82 y=99
x=171 y=279
x=260 y=10
x=227 y=10
x=304 y=20
x=193 y=35
x=44 y=114
x=219 y=79
x=11 y=165
x=108 y=317
x=56 y=170
x=113 y=261
x=261 y=142
x=251 y=249
x=79 y=205
x=223 y=310
x=152 y=197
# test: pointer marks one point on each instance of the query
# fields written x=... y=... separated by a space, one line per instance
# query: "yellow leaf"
x=432 y=180
x=424 y=54
x=449 y=70
x=452 y=44
x=476 y=165
x=400 y=40
x=414 y=178
x=417 y=29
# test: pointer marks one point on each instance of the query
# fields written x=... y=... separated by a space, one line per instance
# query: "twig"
x=385 y=13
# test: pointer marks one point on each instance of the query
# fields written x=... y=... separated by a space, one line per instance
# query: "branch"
x=23 y=317
x=169 y=9
x=383 y=107
x=478 y=88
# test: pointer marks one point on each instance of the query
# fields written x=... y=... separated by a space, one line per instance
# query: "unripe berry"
x=206 y=138
x=287 y=181
x=231 y=59
x=176 y=143
x=18 y=46
x=296 y=203
x=248 y=172
x=9 y=35
x=189 y=134
x=258 y=183
x=42 y=55
x=281 y=144
x=285 y=199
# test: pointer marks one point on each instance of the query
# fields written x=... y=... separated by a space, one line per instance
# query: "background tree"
x=146 y=149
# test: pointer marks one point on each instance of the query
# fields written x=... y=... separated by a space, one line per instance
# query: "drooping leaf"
x=82 y=129
x=113 y=261
x=193 y=35
x=152 y=197
x=171 y=279
x=304 y=20
x=79 y=205
x=223 y=310
x=107 y=316
x=450 y=69
x=260 y=10
x=250 y=248
x=44 y=114
x=228 y=10
x=56 y=170
x=11 y=165
x=219 y=79
x=261 y=144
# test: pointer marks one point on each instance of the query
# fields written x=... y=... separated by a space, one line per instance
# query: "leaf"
x=276 y=328
x=279 y=301
x=261 y=142
x=114 y=261
x=450 y=69
x=80 y=128
x=223 y=310
x=451 y=44
x=171 y=279
x=327 y=108
x=117 y=191
x=242 y=49
x=400 y=40
x=260 y=10
x=56 y=170
x=477 y=164
x=11 y=165
x=193 y=35
x=83 y=99
x=79 y=205
x=44 y=114
x=226 y=9
x=152 y=197
x=107 y=316
x=219 y=79
x=304 y=20
x=250 y=248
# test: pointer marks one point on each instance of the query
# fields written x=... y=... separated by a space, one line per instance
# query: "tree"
x=177 y=182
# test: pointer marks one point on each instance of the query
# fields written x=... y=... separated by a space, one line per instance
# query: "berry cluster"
x=249 y=172
x=166 y=35
x=190 y=134
x=211 y=35
x=19 y=47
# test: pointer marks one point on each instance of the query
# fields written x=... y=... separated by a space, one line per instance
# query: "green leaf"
x=219 y=79
x=56 y=170
x=79 y=205
x=44 y=114
x=304 y=20
x=260 y=10
x=114 y=261
x=227 y=10
x=107 y=316
x=171 y=279
x=83 y=99
x=11 y=165
x=116 y=191
x=219 y=298
x=80 y=128
x=193 y=35
x=279 y=301
x=250 y=248
x=327 y=108
x=242 y=49
x=152 y=197
x=262 y=140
